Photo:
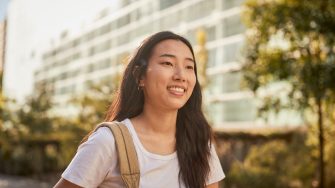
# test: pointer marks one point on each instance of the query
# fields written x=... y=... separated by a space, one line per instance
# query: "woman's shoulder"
x=103 y=131
x=101 y=137
x=93 y=160
x=103 y=134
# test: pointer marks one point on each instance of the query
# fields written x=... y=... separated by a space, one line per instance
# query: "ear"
x=136 y=73
x=141 y=82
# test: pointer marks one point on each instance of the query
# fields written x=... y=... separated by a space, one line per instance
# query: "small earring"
x=139 y=87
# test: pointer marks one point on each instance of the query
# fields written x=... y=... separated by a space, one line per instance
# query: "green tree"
x=93 y=105
x=31 y=141
x=33 y=115
x=274 y=164
x=36 y=140
x=293 y=41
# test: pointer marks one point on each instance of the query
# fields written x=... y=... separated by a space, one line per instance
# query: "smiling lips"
x=177 y=90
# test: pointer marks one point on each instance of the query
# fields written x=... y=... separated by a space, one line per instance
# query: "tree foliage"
x=93 y=105
x=274 y=164
x=34 y=140
x=30 y=143
x=293 y=41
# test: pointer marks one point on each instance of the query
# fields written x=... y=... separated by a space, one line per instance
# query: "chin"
x=175 y=104
x=178 y=106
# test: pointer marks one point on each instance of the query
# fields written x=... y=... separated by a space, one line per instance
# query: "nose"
x=179 y=74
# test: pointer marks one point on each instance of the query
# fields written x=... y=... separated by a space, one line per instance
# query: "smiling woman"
x=170 y=77
x=159 y=102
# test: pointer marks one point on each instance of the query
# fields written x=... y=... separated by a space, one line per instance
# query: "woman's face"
x=170 y=77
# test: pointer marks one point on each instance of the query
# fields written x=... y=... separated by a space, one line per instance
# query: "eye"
x=190 y=67
x=167 y=63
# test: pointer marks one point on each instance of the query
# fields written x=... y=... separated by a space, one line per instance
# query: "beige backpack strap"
x=128 y=161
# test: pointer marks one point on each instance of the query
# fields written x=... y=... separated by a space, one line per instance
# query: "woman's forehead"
x=171 y=46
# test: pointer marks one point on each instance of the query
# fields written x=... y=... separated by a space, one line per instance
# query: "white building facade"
x=96 y=53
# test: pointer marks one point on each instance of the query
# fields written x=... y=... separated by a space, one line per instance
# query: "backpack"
x=128 y=161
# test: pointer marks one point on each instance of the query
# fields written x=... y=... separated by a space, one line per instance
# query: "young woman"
x=159 y=101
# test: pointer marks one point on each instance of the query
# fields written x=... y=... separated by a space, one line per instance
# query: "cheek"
x=192 y=81
x=156 y=79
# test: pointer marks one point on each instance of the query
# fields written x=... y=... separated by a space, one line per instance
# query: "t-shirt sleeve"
x=216 y=173
x=93 y=159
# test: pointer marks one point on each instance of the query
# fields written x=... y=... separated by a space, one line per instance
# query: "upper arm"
x=93 y=160
x=213 y=185
x=63 y=183
x=216 y=173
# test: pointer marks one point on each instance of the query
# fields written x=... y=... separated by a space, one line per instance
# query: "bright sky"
x=3 y=8
x=33 y=23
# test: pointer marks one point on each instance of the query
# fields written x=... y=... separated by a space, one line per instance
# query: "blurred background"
x=266 y=67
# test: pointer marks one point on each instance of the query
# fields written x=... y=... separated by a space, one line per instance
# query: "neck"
x=156 y=121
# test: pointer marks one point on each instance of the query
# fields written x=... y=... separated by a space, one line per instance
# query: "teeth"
x=177 y=89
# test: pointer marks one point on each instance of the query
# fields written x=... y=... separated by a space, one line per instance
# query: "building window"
x=231 y=82
x=190 y=35
x=232 y=25
x=90 y=68
x=232 y=52
x=163 y=4
x=105 y=29
x=123 y=20
x=169 y=21
x=75 y=43
x=232 y=111
x=215 y=112
x=224 y=83
x=211 y=33
x=88 y=37
x=215 y=84
x=123 y=38
x=211 y=58
x=200 y=10
x=103 y=64
x=106 y=45
x=146 y=9
x=227 y=4
x=239 y=110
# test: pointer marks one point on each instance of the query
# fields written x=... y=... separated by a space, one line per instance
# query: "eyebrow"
x=173 y=56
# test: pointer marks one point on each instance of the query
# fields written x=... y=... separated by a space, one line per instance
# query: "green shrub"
x=275 y=164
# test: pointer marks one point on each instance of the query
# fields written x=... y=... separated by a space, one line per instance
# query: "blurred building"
x=95 y=54
x=2 y=43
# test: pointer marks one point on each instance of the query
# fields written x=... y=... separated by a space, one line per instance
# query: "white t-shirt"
x=96 y=164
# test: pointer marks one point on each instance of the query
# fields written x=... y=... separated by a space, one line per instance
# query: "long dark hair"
x=193 y=133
